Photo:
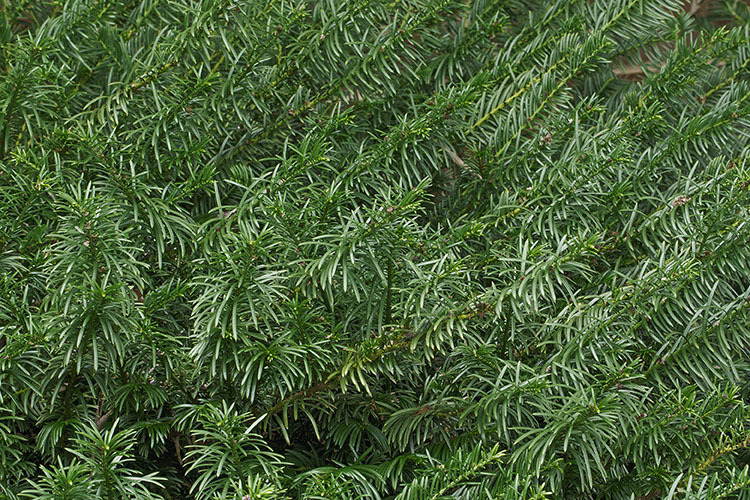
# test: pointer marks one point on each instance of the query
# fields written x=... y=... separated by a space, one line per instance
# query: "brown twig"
x=102 y=420
x=175 y=437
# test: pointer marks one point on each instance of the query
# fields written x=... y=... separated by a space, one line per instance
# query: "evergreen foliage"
x=374 y=249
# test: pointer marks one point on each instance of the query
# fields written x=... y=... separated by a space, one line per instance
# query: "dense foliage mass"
x=370 y=249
